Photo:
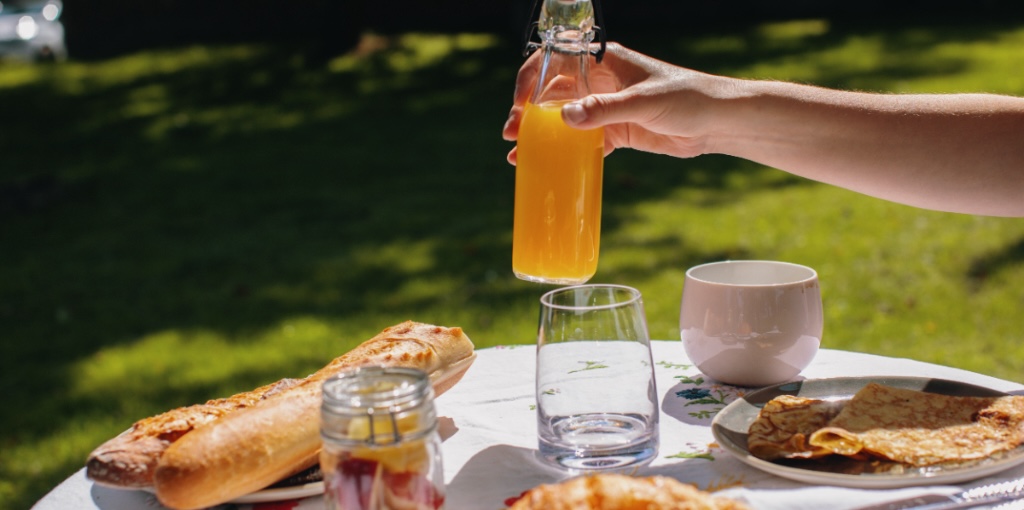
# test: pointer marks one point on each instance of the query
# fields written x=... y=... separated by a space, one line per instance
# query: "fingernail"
x=574 y=113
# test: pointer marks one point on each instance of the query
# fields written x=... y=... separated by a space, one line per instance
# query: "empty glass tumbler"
x=597 y=406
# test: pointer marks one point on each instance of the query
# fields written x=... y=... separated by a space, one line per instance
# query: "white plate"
x=277 y=494
x=282 y=493
x=731 y=424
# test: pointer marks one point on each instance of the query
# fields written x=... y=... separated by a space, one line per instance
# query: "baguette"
x=280 y=435
x=211 y=453
x=128 y=460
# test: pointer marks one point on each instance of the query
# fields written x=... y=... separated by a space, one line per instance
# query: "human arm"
x=951 y=152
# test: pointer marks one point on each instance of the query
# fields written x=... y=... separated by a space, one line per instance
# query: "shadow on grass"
x=234 y=189
x=984 y=268
x=878 y=56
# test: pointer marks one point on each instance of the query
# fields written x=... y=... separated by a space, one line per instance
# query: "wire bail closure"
x=529 y=45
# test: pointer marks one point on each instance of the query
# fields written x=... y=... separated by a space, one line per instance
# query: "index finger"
x=526 y=78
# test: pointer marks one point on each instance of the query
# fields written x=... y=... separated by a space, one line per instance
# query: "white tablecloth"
x=488 y=421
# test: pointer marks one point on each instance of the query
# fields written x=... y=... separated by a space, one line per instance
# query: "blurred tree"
x=98 y=28
x=101 y=28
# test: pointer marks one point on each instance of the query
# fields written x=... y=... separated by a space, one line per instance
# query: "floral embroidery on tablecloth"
x=694 y=451
x=703 y=399
x=709 y=398
x=589 y=365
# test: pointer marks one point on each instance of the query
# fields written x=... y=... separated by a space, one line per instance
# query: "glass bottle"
x=557 y=219
x=381 y=449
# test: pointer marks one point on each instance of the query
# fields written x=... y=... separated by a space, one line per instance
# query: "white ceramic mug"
x=751 y=322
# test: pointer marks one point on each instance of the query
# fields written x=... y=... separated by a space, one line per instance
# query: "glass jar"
x=556 y=229
x=381 y=448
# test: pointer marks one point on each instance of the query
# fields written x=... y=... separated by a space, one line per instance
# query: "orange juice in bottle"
x=557 y=225
x=557 y=221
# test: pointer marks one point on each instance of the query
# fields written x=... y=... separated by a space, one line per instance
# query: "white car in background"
x=31 y=29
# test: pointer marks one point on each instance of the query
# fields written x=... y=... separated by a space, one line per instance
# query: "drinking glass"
x=597 y=405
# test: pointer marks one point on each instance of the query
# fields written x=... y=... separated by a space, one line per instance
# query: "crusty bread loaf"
x=129 y=459
x=618 y=492
x=203 y=455
x=242 y=453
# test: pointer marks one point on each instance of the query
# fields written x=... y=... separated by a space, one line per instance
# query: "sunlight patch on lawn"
x=383 y=63
x=147 y=101
x=157 y=93
x=227 y=120
x=185 y=359
x=766 y=36
x=75 y=78
x=402 y=263
x=911 y=60
x=796 y=29
x=989 y=65
x=52 y=452
x=726 y=44
x=159 y=359
x=424 y=50
x=403 y=256
x=410 y=52
x=858 y=54
x=17 y=74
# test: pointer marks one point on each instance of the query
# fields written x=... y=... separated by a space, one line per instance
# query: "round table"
x=489 y=430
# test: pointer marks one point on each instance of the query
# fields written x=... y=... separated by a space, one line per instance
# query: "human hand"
x=642 y=102
x=907 y=148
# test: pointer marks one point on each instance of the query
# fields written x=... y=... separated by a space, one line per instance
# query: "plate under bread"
x=730 y=426
x=282 y=493
x=270 y=495
x=302 y=485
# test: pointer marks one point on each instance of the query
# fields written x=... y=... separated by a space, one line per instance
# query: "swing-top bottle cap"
x=565 y=21
x=566 y=15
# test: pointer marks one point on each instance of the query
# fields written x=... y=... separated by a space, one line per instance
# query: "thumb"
x=599 y=110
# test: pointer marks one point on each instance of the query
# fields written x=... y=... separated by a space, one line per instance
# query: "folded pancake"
x=785 y=423
x=921 y=429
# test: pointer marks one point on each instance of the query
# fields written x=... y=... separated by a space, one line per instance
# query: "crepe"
x=905 y=426
x=785 y=424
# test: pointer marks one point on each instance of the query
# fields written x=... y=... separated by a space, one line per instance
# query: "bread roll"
x=621 y=492
x=204 y=455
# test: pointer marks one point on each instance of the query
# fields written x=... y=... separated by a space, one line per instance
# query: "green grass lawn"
x=184 y=224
